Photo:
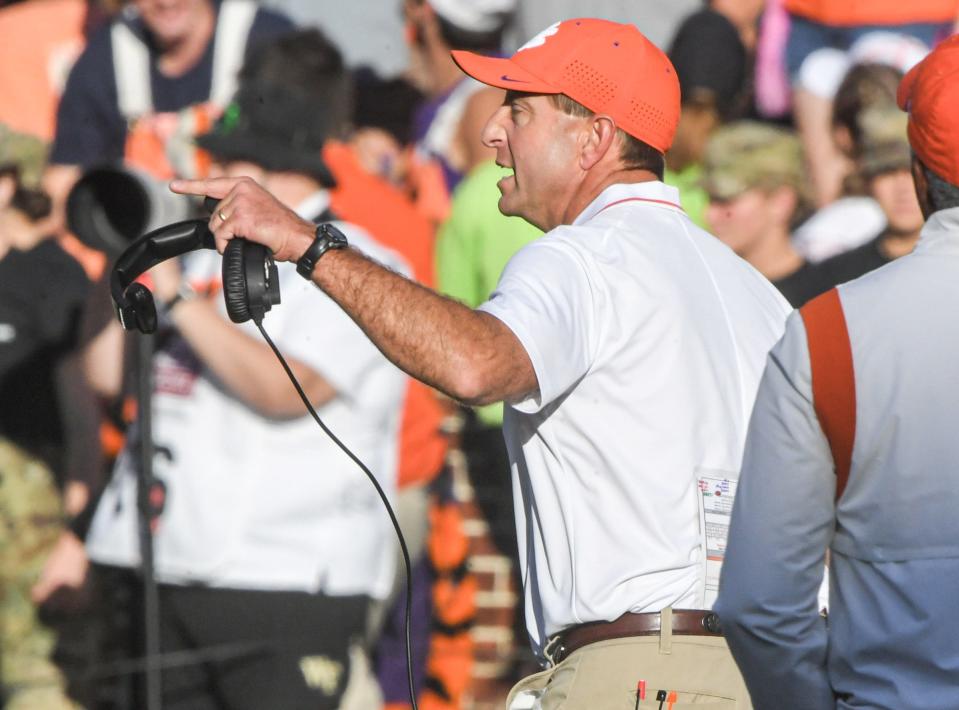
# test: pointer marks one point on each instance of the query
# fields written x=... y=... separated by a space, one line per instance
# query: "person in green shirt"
x=474 y=245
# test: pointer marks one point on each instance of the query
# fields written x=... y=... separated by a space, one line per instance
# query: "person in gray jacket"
x=852 y=448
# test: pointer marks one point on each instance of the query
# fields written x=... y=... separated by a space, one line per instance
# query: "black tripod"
x=147 y=488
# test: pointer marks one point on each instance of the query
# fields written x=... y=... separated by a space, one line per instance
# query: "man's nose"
x=494 y=134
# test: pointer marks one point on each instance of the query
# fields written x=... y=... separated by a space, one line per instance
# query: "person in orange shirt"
x=906 y=17
x=42 y=40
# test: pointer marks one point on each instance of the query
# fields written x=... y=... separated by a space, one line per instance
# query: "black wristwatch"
x=327 y=237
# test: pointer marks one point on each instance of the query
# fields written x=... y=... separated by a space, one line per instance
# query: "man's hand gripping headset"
x=250 y=283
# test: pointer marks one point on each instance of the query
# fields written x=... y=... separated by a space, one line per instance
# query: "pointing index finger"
x=211 y=187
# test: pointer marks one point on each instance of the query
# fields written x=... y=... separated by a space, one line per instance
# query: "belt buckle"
x=712 y=623
x=554 y=649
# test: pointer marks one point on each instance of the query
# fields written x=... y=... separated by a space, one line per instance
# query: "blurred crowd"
x=280 y=583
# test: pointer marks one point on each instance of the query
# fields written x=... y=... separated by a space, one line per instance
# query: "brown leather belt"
x=686 y=622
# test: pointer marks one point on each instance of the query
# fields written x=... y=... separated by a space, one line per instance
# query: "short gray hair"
x=636 y=154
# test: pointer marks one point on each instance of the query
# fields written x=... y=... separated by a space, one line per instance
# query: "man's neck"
x=590 y=189
x=180 y=56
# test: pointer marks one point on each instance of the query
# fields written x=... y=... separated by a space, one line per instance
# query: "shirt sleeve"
x=781 y=526
x=545 y=298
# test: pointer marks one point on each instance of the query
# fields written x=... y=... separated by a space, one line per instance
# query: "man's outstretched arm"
x=466 y=354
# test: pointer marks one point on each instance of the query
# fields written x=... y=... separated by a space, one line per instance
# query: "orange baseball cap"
x=608 y=67
x=930 y=93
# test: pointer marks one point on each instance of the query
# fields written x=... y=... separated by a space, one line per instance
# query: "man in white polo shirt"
x=628 y=343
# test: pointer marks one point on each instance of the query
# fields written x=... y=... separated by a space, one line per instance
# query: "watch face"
x=337 y=238
x=327 y=237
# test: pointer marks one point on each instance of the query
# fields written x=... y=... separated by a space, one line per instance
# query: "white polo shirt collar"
x=653 y=193
x=939 y=231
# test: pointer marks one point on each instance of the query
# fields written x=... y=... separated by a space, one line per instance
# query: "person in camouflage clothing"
x=754 y=176
x=31 y=521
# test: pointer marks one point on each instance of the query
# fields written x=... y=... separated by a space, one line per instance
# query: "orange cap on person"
x=930 y=94
x=608 y=67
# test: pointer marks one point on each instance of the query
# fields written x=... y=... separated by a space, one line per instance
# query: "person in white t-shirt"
x=271 y=541
x=627 y=343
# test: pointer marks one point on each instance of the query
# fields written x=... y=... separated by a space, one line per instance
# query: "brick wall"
x=499 y=656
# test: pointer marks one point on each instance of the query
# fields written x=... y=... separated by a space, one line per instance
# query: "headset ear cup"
x=140 y=302
x=234 y=282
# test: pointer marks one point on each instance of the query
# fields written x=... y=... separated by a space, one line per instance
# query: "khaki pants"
x=604 y=675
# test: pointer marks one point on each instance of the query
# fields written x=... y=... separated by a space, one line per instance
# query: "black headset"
x=251 y=285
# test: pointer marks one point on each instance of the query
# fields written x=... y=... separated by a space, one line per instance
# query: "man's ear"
x=600 y=139
x=922 y=186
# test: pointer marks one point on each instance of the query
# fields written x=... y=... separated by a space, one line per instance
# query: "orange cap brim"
x=501 y=73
